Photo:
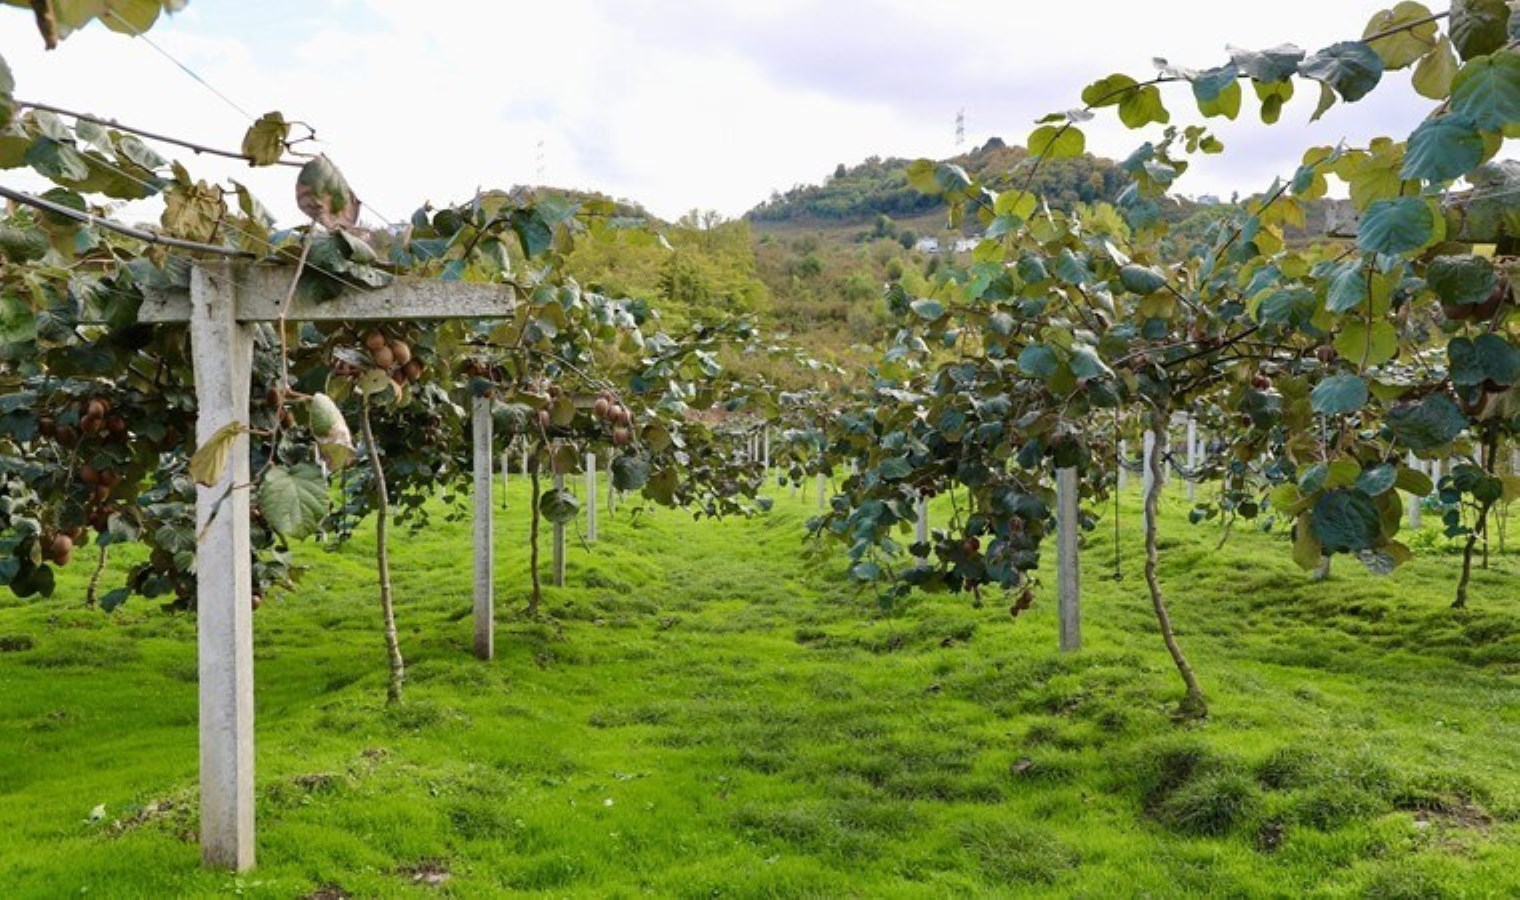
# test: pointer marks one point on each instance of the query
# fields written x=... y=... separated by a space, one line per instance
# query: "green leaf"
x=1427 y=424
x=1272 y=96
x=1489 y=357
x=1409 y=41
x=1015 y=202
x=920 y=174
x=18 y=324
x=1348 y=288
x=1377 y=479
x=1346 y=521
x=532 y=231
x=558 y=506
x=1275 y=64
x=1141 y=279
x=1443 y=149
x=1478 y=27
x=1461 y=279
x=1038 y=361
x=1350 y=67
x=264 y=142
x=1367 y=346
x=629 y=472
x=22 y=244
x=1413 y=481
x=1218 y=92
x=293 y=500
x=1056 y=141
x=1487 y=90
x=1338 y=395
x=1434 y=74
x=1142 y=107
x=56 y=160
x=209 y=462
x=323 y=194
x=1397 y=225
x=1087 y=364
x=927 y=309
x=1107 y=91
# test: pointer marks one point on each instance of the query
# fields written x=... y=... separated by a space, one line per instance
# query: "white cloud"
x=676 y=104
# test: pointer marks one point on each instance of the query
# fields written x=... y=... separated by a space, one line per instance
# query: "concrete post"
x=222 y=355
x=612 y=493
x=485 y=563
x=1123 y=472
x=1068 y=572
x=765 y=449
x=506 y=476
x=590 y=496
x=559 y=540
x=823 y=487
x=1192 y=456
x=1412 y=503
x=921 y=526
x=1148 y=450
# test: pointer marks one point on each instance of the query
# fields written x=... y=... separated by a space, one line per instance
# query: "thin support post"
x=590 y=496
x=485 y=564
x=823 y=488
x=1123 y=472
x=559 y=540
x=1413 y=502
x=506 y=476
x=1192 y=457
x=612 y=492
x=921 y=525
x=1068 y=571
x=222 y=355
x=1148 y=450
x=765 y=449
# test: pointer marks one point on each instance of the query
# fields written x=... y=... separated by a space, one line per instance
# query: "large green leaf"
x=1461 y=279
x=1434 y=74
x=18 y=324
x=1346 y=520
x=558 y=506
x=1217 y=91
x=1397 y=225
x=1367 y=345
x=1141 y=279
x=1487 y=90
x=1443 y=149
x=1488 y=357
x=1413 y=33
x=1057 y=141
x=1478 y=27
x=293 y=500
x=1427 y=424
x=1142 y=107
x=629 y=472
x=1038 y=361
x=1350 y=67
x=1339 y=394
x=323 y=194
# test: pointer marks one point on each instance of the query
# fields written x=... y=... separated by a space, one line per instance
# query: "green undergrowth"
x=703 y=713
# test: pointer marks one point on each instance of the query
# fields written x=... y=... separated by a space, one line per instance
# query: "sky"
x=677 y=105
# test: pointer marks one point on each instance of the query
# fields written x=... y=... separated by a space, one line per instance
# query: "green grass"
x=709 y=715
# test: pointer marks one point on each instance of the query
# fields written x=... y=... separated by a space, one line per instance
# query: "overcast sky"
x=678 y=105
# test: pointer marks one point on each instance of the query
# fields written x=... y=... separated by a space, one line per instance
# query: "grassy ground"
x=711 y=717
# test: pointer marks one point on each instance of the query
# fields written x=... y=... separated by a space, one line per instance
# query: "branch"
x=141 y=235
x=112 y=123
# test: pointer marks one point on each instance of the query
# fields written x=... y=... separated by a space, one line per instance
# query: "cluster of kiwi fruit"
x=390 y=355
x=607 y=408
x=96 y=419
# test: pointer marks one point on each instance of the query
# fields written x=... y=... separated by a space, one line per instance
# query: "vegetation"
x=760 y=732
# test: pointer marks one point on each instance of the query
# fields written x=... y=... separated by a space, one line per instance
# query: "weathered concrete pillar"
x=590 y=496
x=1068 y=571
x=485 y=543
x=222 y=355
x=559 y=540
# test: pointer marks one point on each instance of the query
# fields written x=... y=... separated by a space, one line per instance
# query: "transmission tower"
x=960 y=128
x=539 y=163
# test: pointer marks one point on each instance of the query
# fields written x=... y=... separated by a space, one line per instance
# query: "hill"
x=879 y=187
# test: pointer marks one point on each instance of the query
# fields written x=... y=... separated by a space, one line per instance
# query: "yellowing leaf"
x=209 y=463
